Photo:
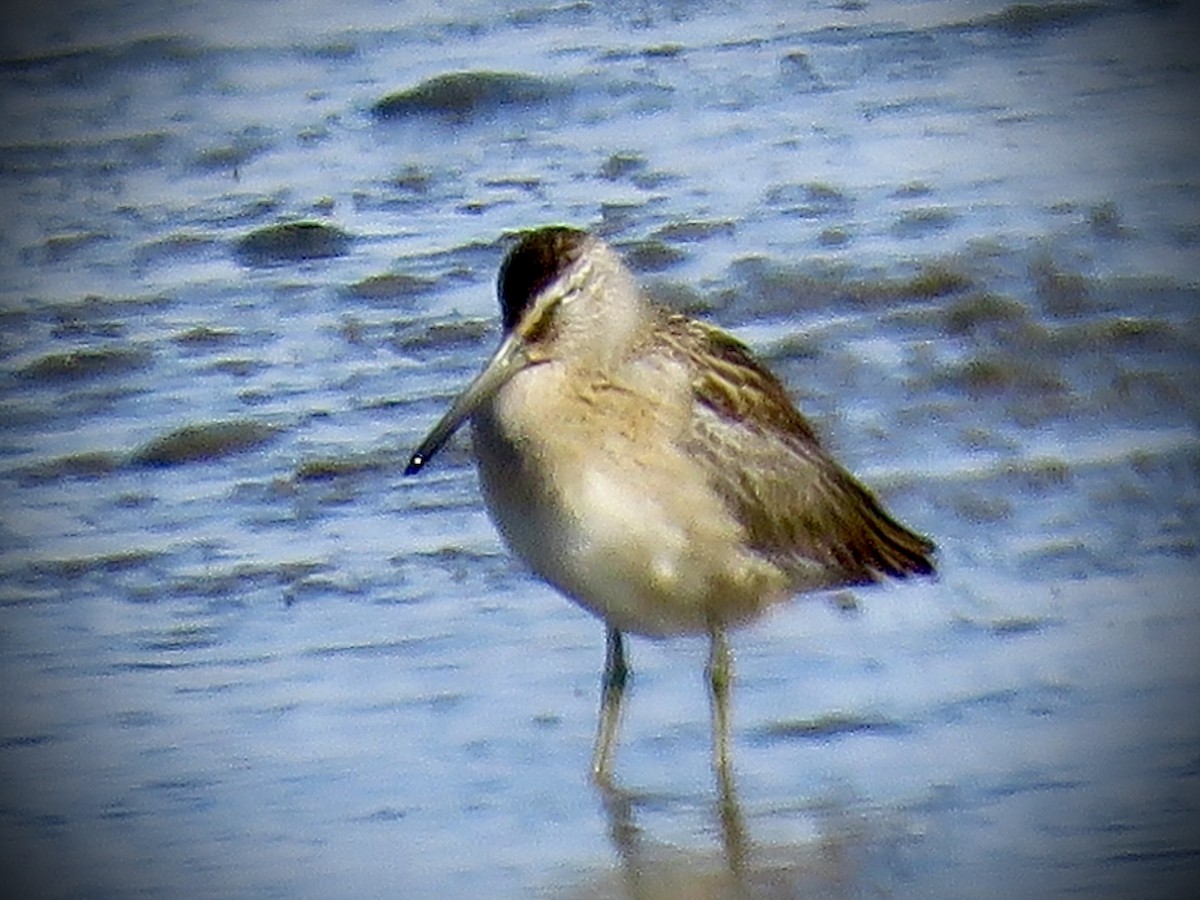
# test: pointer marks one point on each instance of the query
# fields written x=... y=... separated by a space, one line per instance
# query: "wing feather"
x=799 y=507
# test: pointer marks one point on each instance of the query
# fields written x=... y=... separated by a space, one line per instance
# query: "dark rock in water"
x=78 y=365
x=440 y=335
x=692 y=230
x=390 y=286
x=292 y=241
x=89 y=465
x=798 y=72
x=924 y=221
x=1062 y=293
x=203 y=443
x=328 y=468
x=651 y=255
x=812 y=200
x=459 y=95
x=1029 y=19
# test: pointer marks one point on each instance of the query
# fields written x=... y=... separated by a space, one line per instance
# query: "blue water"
x=964 y=234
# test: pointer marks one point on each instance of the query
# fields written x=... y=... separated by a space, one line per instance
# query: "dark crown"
x=539 y=257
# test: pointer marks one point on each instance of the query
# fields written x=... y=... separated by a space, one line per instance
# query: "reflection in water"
x=652 y=869
x=647 y=872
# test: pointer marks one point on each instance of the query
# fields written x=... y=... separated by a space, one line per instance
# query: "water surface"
x=249 y=255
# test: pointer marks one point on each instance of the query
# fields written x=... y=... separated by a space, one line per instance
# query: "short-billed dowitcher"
x=650 y=468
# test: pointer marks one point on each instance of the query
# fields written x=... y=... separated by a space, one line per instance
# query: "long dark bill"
x=509 y=359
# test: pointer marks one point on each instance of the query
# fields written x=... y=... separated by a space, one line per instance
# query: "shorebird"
x=652 y=470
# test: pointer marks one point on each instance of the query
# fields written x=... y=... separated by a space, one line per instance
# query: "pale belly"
x=632 y=533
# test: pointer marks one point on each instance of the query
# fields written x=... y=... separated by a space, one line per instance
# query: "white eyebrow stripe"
x=574 y=279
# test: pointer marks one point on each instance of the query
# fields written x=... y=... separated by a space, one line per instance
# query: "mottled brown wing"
x=798 y=505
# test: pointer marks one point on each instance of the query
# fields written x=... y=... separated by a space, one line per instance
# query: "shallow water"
x=245 y=657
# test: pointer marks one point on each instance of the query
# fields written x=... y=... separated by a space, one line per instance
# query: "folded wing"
x=800 y=508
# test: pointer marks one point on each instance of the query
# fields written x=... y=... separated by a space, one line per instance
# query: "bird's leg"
x=720 y=677
x=612 y=688
x=720 y=674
